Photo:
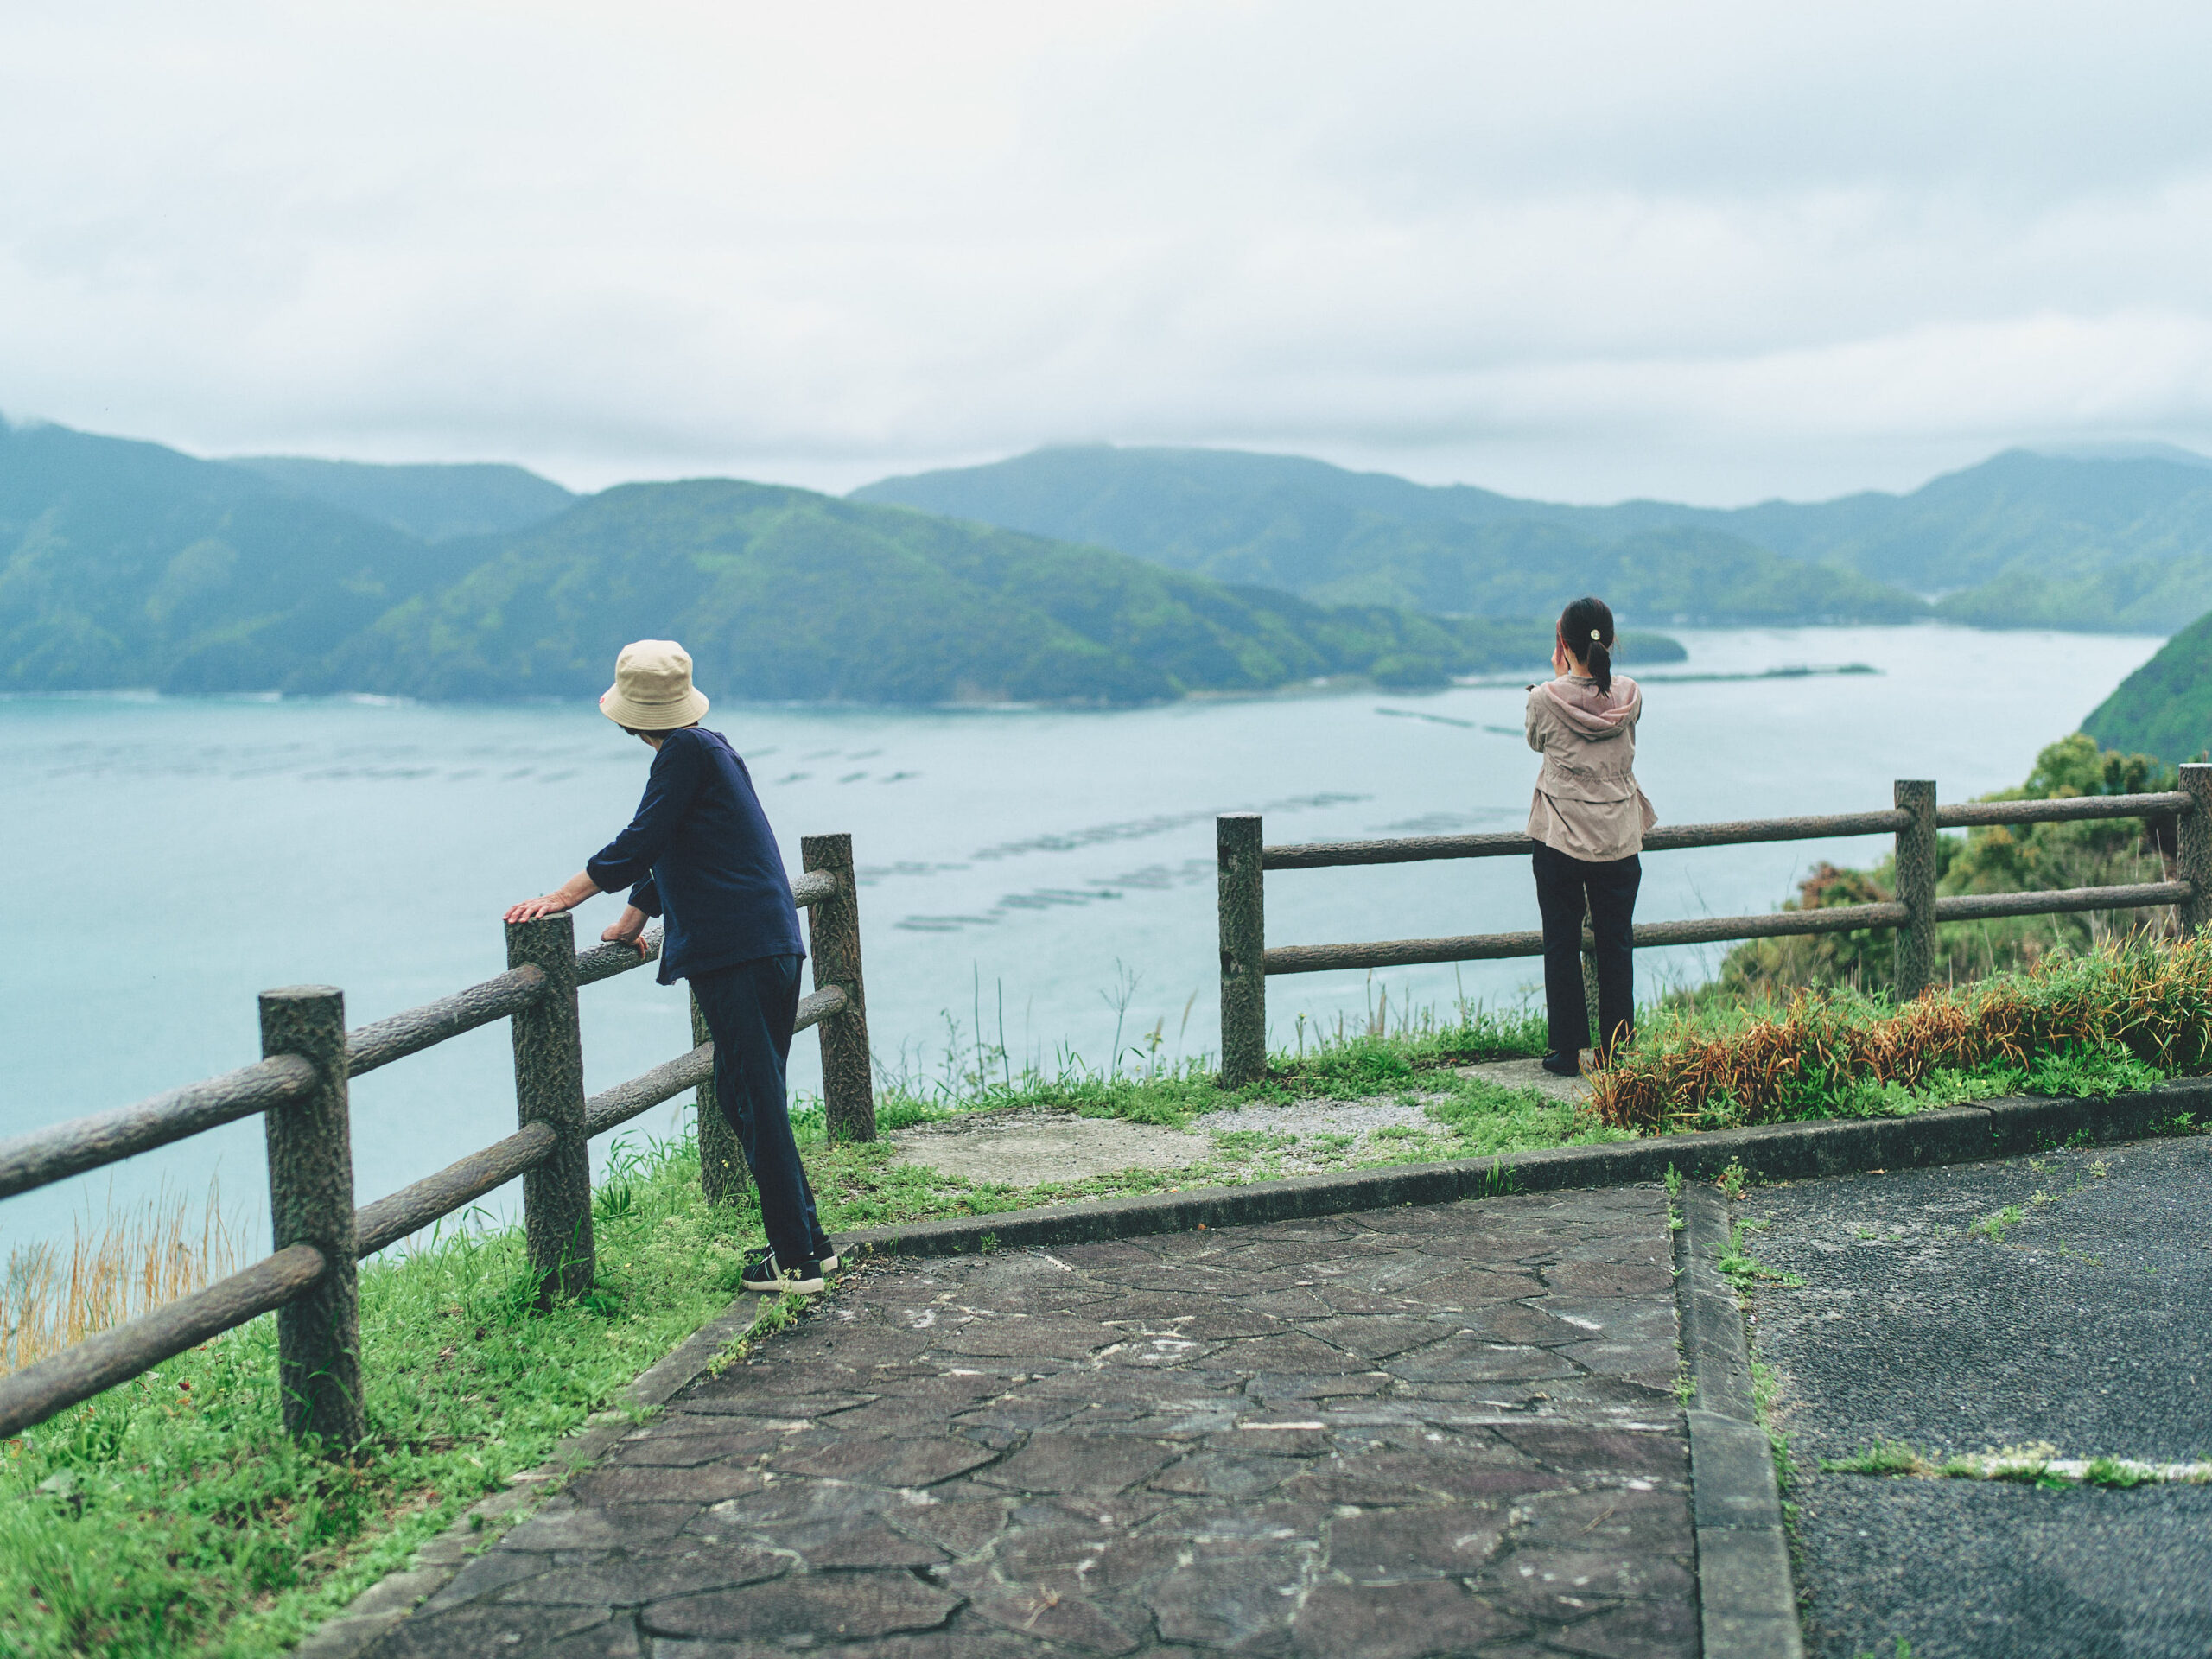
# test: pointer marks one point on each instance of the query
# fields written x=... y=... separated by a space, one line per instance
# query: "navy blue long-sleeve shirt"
x=700 y=854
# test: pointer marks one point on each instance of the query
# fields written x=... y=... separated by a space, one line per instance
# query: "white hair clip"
x=1594 y=634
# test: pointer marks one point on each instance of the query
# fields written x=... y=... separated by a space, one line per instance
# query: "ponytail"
x=1588 y=628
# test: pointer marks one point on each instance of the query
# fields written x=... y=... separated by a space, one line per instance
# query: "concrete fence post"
x=549 y=1088
x=2193 y=848
x=1916 y=879
x=311 y=1202
x=1241 y=898
x=723 y=1174
x=833 y=936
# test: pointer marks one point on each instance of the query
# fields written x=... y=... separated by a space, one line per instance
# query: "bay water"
x=1042 y=879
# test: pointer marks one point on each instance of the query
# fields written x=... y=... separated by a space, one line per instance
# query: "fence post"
x=311 y=1202
x=1243 y=948
x=833 y=935
x=723 y=1174
x=549 y=1088
x=2193 y=848
x=1916 y=878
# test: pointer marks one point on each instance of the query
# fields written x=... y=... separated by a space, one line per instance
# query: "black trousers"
x=749 y=1010
x=1563 y=884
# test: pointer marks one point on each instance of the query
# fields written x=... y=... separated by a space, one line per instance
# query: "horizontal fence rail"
x=1410 y=849
x=551 y=1133
x=1962 y=815
x=1247 y=960
x=36 y=1392
x=1493 y=947
x=386 y=1041
x=51 y=1154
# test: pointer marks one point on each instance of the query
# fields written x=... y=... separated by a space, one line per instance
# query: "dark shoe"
x=1563 y=1065
x=800 y=1279
x=826 y=1252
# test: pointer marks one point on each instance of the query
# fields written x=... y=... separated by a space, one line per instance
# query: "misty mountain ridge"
x=127 y=564
x=438 y=501
x=2119 y=542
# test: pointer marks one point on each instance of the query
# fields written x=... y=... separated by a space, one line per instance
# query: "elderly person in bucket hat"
x=700 y=853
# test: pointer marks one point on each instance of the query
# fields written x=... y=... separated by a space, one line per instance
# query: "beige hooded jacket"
x=1587 y=805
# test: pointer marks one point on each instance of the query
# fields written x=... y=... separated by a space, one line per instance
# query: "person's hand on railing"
x=570 y=893
x=629 y=929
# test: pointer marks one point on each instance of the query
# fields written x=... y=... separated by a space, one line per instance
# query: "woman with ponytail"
x=1587 y=821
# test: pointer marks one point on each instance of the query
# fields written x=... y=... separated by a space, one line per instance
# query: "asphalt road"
x=2080 y=1325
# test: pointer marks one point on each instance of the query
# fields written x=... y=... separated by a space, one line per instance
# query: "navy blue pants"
x=749 y=1009
x=1563 y=884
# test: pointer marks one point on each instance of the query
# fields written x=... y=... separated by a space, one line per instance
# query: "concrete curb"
x=392 y=1597
x=1778 y=1152
x=1746 y=1600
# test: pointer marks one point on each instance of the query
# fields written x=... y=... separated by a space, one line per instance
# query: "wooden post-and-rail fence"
x=1246 y=959
x=300 y=1087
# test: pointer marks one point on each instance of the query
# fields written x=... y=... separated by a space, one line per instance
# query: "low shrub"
x=2110 y=1019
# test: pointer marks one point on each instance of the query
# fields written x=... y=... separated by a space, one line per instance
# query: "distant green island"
x=126 y=564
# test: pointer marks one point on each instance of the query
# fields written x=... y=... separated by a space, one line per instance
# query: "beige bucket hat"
x=652 y=690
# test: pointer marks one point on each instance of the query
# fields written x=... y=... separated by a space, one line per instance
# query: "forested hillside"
x=2119 y=542
x=126 y=564
x=784 y=594
x=2165 y=707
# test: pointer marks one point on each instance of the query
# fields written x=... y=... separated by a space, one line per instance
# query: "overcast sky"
x=1586 y=251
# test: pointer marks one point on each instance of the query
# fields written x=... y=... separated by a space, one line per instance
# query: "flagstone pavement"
x=1421 y=1431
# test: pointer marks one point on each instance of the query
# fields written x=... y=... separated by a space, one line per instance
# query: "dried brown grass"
x=128 y=1260
x=2149 y=997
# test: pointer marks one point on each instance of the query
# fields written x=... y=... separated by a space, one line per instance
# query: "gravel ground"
x=2082 y=1325
x=1028 y=1147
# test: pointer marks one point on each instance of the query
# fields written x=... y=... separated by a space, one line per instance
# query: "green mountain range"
x=2087 y=541
x=125 y=564
x=128 y=564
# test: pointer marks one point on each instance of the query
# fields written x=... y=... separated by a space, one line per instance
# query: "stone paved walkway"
x=1424 y=1431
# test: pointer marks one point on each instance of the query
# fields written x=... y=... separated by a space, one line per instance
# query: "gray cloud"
x=1712 y=250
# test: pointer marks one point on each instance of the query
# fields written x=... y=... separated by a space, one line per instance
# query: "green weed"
x=1741 y=1269
x=1882 y=1457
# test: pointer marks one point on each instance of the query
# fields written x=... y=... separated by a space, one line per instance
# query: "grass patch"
x=2120 y=1017
x=1882 y=1457
x=172 y=1515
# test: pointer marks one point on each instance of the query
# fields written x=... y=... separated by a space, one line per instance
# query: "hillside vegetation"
x=2165 y=707
x=2026 y=858
x=781 y=593
x=125 y=564
x=2090 y=543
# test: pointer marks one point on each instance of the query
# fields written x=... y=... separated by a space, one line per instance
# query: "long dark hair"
x=1588 y=628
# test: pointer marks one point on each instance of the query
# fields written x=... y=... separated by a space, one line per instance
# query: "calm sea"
x=1049 y=875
